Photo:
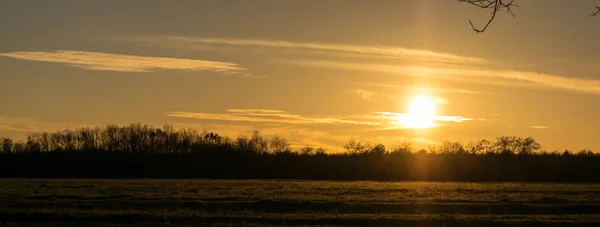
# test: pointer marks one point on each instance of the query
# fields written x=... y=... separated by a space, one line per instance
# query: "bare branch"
x=597 y=11
x=494 y=5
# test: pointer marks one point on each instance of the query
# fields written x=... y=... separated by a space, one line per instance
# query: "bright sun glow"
x=421 y=113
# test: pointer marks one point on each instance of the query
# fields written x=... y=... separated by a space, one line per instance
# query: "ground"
x=84 y=202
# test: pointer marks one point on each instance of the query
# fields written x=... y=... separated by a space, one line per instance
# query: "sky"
x=315 y=72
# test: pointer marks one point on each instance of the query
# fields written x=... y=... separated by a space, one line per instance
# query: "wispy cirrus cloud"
x=297 y=135
x=421 y=63
x=419 y=88
x=539 y=127
x=253 y=76
x=399 y=118
x=364 y=94
x=123 y=63
x=381 y=51
x=18 y=127
x=268 y=116
x=382 y=120
x=473 y=74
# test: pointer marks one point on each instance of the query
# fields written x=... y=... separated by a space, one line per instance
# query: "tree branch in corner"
x=495 y=6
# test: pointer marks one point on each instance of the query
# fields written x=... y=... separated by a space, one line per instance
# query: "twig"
x=495 y=5
x=597 y=11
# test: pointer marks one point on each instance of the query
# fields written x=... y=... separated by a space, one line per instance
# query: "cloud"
x=229 y=130
x=268 y=116
x=420 y=88
x=397 y=121
x=382 y=51
x=18 y=127
x=422 y=63
x=245 y=74
x=303 y=137
x=364 y=94
x=395 y=116
x=298 y=137
x=377 y=121
x=383 y=120
x=123 y=63
x=441 y=101
x=394 y=141
x=539 y=127
x=473 y=74
x=252 y=76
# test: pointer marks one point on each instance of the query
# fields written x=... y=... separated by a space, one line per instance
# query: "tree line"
x=142 y=151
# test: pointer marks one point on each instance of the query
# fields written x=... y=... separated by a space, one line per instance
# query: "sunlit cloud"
x=253 y=76
x=441 y=101
x=123 y=63
x=539 y=127
x=268 y=116
x=310 y=137
x=377 y=120
x=474 y=74
x=382 y=51
x=296 y=135
x=364 y=94
x=419 y=88
x=395 y=141
x=18 y=127
x=423 y=63
x=394 y=116
x=407 y=120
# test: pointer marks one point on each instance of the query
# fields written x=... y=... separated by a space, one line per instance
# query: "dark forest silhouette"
x=141 y=151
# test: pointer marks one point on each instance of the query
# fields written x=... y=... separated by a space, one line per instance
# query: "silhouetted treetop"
x=139 y=151
x=496 y=6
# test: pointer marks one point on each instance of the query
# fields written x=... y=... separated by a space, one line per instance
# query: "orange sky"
x=315 y=72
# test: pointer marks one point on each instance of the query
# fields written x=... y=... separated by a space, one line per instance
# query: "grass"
x=79 y=202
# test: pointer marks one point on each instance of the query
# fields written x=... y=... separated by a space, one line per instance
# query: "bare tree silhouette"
x=496 y=6
x=143 y=151
x=597 y=11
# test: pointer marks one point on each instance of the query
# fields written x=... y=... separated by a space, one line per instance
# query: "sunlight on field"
x=297 y=203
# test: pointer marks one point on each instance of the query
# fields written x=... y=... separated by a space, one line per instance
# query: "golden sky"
x=315 y=72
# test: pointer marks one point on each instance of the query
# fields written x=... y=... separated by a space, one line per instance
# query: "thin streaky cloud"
x=395 y=116
x=434 y=89
x=123 y=63
x=384 y=51
x=364 y=94
x=460 y=72
x=539 y=127
x=502 y=77
x=18 y=127
x=267 y=116
x=253 y=76
x=254 y=111
x=441 y=101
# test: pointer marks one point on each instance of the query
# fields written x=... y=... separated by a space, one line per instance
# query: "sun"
x=421 y=113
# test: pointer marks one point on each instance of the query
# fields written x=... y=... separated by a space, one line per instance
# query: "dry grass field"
x=82 y=202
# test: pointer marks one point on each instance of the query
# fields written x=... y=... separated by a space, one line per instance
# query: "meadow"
x=159 y=202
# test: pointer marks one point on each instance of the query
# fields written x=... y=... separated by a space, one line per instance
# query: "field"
x=30 y=202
